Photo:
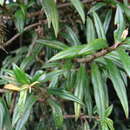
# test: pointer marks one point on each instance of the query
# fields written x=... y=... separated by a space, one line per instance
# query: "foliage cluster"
x=67 y=65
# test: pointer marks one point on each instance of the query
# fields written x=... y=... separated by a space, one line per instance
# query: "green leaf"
x=71 y=37
x=37 y=75
x=98 y=90
x=51 y=12
x=2 y=114
x=108 y=111
x=86 y=126
x=94 y=45
x=97 y=6
x=27 y=62
x=79 y=7
x=27 y=110
x=99 y=26
x=84 y=49
x=106 y=124
x=64 y=94
x=19 y=108
x=20 y=75
x=90 y=31
x=5 y=121
x=119 y=21
x=118 y=85
x=107 y=20
x=53 y=44
x=79 y=89
x=49 y=76
x=57 y=113
x=1 y=2
x=126 y=10
x=68 y=53
x=19 y=20
x=127 y=40
x=125 y=59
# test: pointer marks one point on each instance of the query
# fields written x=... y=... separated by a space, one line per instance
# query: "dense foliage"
x=65 y=65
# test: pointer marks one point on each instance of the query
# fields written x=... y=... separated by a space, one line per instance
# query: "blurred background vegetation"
x=65 y=65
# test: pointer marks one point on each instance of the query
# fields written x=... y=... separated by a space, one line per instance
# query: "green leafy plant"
x=78 y=69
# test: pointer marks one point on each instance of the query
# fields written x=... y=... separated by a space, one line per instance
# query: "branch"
x=98 y=54
x=25 y=29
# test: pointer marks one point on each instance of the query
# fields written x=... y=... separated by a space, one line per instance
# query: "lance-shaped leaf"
x=53 y=44
x=107 y=20
x=49 y=76
x=20 y=75
x=119 y=21
x=19 y=108
x=27 y=110
x=93 y=46
x=68 y=53
x=98 y=89
x=119 y=85
x=97 y=6
x=51 y=12
x=79 y=89
x=99 y=27
x=56 y=112
x=85 y=49
x=5 y=121
x=90 y=31
x=20 y=19
x=71 y=37
x=64 y=94
x=125 y=59
x=79 y=7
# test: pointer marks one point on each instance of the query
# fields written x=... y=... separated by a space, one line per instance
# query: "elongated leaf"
x=37 y=75
x=19 y=109
x=99 y=27
x=98 y=90
x=93 y=46
x=119 y=21
x=125 y=59
x=68 y=53
x=90 y=31
x=27 y=109
x=107 y=124
x=107 y=21
x=2 y=114
x=86 y=126
x=57 y=113
x=27 y=62
x=118 y=86
x=53 y=44
x=50 y=75
x=96 y=7
x=79 y=89
x=5 y=121
x=71 y=37
x=85 y=49
x=20 y=18
x=51 y=12
x=108 y=111
x=64 y=94
x=52 y=65
x=126 y=10
x=79 y=7
x=20 y=75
